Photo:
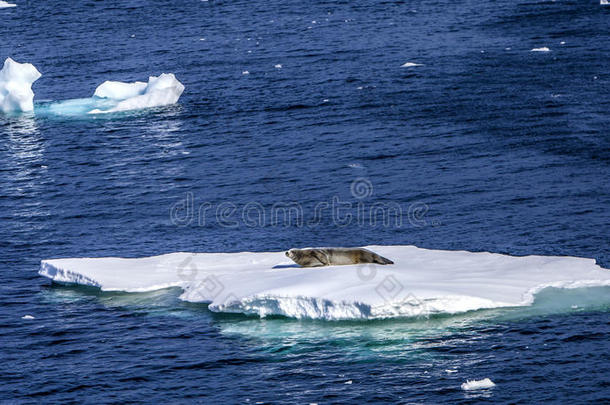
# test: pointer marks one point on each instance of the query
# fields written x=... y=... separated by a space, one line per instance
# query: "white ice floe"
x=604 y=2
x=278 y=66
x=16 y=81
x=543 y=49
x=477 y=384
x=411 y=64
x=27 y=317
x=421 y=282
x=245 y=72
x=159 y=91
x=4 y=4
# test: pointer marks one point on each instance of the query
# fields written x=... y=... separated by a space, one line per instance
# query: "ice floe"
x=470 y=385
x=543 y=49
x=411 y=64
x=4 y=4
x=420 y=283
x=16 y=81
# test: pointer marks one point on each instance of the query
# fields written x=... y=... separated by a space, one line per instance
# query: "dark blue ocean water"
x=498 y=149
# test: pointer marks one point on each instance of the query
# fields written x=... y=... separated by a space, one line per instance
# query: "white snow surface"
x=477 y=384
x=421 y=282
x=159 y=91
x=16 y=81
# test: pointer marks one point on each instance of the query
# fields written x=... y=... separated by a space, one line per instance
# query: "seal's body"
x=315 y=257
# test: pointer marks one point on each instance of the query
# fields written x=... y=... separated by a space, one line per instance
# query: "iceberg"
x=16 y=81
x=420 y=283
x=159 y=91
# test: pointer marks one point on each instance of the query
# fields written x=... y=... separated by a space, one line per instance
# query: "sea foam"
x=420 y=283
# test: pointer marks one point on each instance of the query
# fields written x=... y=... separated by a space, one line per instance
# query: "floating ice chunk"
x=28 y=317
x=350 y=382
x=4 y=4
x=245 y=72
x=16 y=86
x=278 y=66
x=562 y=43
x=477 y=384
x=604 y=2
x=543 y=49
x=159 y=91
x=421 y=281
x=411 y=64
x=450 y=371
x=120 y=90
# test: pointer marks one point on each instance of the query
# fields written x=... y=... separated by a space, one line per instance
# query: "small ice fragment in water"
x=411 y=64
x=574 y=306
x=450 y=371
x=27 y=317
x=348 y=382
x=360 y=87
x=278 y=66
x=562 y=43
x=508 y=49
x=325 y=100
x=4 y=4
x=245 y=72
x=202 y=39
x=543 y=49
x=477 y=384
x=604 y=2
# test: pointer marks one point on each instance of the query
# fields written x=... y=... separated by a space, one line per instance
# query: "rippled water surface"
x=486 y=147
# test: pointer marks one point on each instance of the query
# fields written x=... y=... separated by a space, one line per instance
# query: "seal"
x=316 y=257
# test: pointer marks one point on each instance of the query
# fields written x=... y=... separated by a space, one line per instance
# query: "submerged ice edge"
x=422 y=283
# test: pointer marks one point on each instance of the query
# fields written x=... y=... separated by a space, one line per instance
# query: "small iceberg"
x=470 y=385
x=543 y=49
x=16 y=81
x=4 y=4
x=27 y=317
x=604 y=2
x=159 y=91
x=411 y=64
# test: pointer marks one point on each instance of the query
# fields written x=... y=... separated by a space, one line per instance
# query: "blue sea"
x=497 y=148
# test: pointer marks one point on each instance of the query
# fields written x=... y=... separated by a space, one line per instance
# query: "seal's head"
x=292 y=253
